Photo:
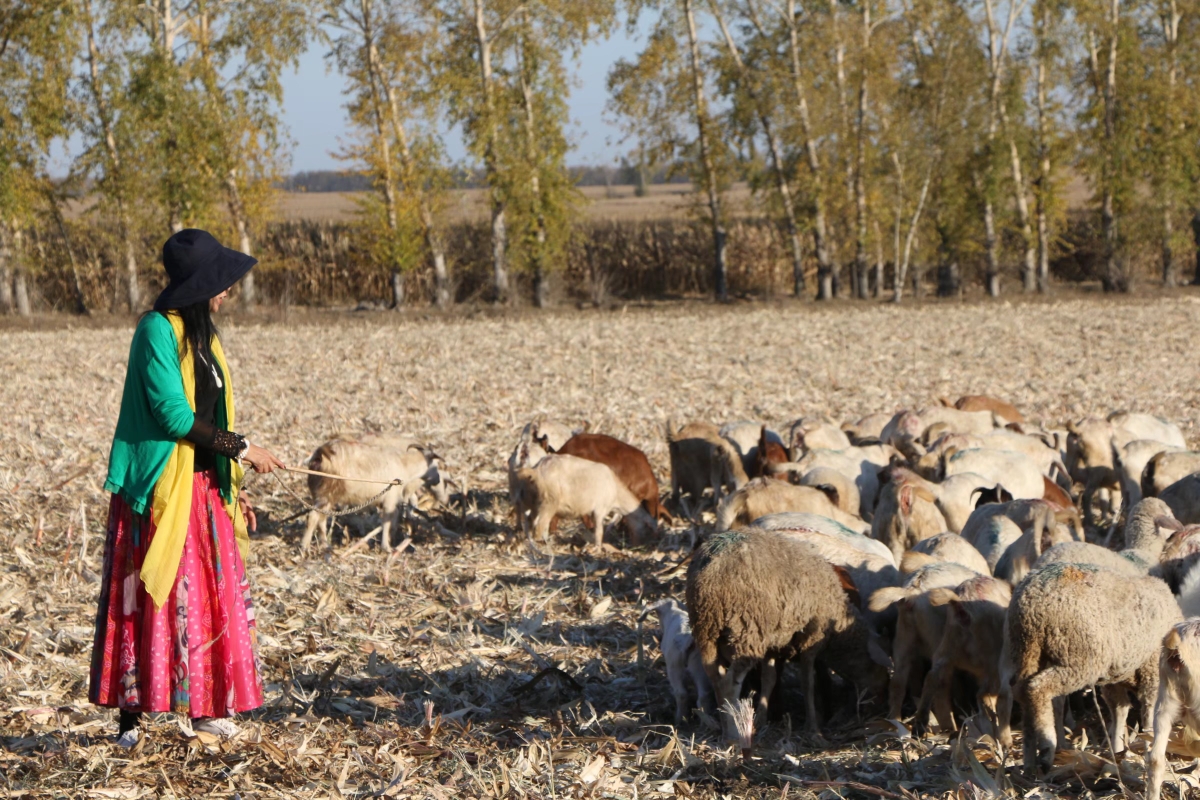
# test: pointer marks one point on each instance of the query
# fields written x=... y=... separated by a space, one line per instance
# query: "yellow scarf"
x=172 y=505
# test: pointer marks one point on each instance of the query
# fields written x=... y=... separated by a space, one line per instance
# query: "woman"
x=175 y=627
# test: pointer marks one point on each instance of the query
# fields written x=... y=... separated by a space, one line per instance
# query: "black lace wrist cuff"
x=228 y=443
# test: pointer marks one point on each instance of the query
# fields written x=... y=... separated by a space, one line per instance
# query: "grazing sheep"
x=1071 y=626
x=982 y=402
x=1091 y=442
x=840 y=489
x=758 y=598
x=815 y=433
x=794 y=521
x=763 y=496
x=1016 y=472
x=1130 y=462
x=747 y=438
x=1143 y=544
x=681 y=658
x=528 y=451
x=908 y=431
x=1167 y=467
x=626 y=461
x=918 y=624
x=972 y=641
x=701 y=459
x=907 y=513
x=383 y=457
x=1178 y=696
x=957 y=496
x=856 y=463
x=868 y=429
x=1183 y=498
x=946 y=547
x=569 y=486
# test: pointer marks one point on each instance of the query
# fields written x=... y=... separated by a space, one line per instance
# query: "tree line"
x=879 y=136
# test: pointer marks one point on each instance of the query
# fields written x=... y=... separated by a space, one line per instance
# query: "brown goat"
x=628 y=463
x=768 y=455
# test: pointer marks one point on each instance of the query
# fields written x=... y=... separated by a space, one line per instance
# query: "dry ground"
x=465 y=666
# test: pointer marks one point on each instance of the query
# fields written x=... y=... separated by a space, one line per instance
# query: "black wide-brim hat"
x=199 y=267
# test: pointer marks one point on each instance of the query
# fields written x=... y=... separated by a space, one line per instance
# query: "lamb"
x=1130 y=462
x=906 y=514
x=681 y=658
x=747 y=438
x=627 y=462
x=907 y=431
x=972 y=641
x=382 y=457
x=957 y=496
x=1178 y=696
x=763 y=496
x=700 y=459
x=946 y=547
x=837 y=486
x=570 y=486
x=756 y=598
x=918 y=624
x=1071 y=626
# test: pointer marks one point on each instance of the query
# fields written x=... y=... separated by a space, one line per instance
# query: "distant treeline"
x=328 y=180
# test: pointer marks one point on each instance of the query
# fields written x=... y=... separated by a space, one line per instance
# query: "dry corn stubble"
x=356 y=645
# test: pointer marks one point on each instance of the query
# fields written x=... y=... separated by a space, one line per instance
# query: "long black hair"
x=198 y=329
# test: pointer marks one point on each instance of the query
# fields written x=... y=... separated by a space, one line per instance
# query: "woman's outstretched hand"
x=262 y=460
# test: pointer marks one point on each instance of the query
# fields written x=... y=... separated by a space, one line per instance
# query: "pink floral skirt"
x=197 y=654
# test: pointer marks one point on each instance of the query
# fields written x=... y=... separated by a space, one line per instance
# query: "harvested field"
x=465 y=666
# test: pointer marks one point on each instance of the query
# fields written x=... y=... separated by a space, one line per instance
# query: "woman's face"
x=214 y=305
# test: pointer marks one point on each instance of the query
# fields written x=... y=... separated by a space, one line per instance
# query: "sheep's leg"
x=676 y=670
x=936 y=692
x=808 y=671
x=391 y=517
x=1041 y=735
x=598 y=517
x=1003 y=724
x=1166 y=711
x=767 y=677
x=1147 y=691
x=1116 y=697
x=315 y=518
x=904 y=652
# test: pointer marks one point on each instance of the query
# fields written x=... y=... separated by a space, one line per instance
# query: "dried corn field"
x=464 y=666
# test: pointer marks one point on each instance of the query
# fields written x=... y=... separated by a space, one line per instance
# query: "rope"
x=335 y=514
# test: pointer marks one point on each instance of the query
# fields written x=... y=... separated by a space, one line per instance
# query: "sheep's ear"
x=1170 y=523
x=907 y=496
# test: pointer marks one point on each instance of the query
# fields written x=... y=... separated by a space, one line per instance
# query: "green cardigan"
x=155 y=414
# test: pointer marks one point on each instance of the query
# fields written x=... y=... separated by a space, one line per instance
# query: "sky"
x=314 y=112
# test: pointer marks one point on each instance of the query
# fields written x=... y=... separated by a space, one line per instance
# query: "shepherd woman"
x=175 y=626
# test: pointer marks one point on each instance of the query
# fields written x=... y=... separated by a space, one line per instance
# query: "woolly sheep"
x=1071 y=626
x=685 y=672
x=797 y=521
x=1143 y=544
x=382 y=457
x=946 y=547
x=758 y=598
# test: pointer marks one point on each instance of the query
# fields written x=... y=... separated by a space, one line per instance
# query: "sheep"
x=626 y=461
x=1178 y=696
x=906 y=513
x=813 y=433
x=907 y=430
x=918 y=624
x=982 y=402
x=857 y=464
x=757 y=597
x=762 y=496
x=571 y=486
x=867 y=430
x=768 y=454
x=840 y=489
x=681 y=658
x=957 y=496
x=700 y=459
x=972 y=641
x=746 y=438
x=382 y=457
x=1143 y=544
x=1130 y=462
x=1090 y=444
x=1016 y=472
x=1183 y=498
x=1012 y=536
x=1167 y=467
x=945 y=547
x=798 y=521
x=529 y=450
x=1071 y=626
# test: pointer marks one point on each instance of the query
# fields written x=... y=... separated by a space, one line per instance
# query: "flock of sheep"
x=943 y=540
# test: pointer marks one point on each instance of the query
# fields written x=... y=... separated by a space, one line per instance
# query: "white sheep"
x=685 y=671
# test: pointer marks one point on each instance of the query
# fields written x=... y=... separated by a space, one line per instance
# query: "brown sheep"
x=1071 y=626
x=759 y=598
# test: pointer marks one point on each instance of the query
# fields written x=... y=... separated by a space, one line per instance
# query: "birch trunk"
x=6 y=271
x=777 y=160
x=237 y=212
x=491 y=167
x=720 y=268
x=1042 y=187
x=1169 y=18
x=541 y=277
x=113 y=157
x=860 y=193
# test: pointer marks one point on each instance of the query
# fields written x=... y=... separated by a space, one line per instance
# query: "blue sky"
x=313 y=109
